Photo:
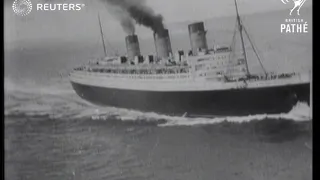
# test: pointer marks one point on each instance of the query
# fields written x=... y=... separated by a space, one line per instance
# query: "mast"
x=256 y=52
x=242 y=42
x=102 y=37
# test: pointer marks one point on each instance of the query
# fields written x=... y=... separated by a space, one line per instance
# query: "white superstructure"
x=211 y=71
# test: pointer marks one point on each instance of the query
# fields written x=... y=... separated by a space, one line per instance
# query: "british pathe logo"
x=22 y=7
x=296 y=24
x=297 y=5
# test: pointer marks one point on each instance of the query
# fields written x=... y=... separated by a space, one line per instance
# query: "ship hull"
x=280 y=99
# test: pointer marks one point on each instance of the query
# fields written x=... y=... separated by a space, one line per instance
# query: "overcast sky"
x=70 y=25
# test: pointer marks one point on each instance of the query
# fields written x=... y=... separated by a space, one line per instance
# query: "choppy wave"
x=57 y=100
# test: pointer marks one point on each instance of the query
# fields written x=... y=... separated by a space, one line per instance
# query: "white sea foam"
x=300 y=112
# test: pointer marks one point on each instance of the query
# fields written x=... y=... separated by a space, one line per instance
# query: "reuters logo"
x=22 y=7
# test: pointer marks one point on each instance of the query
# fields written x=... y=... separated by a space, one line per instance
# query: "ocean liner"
x=202 y=81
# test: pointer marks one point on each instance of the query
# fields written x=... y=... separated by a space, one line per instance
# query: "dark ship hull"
x=271 y=100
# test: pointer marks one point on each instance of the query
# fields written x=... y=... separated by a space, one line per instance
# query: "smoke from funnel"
x=126 y=21
x=140 y=13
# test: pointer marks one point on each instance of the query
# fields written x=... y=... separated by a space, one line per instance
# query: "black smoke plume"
x=126 y=21
x=140 y=13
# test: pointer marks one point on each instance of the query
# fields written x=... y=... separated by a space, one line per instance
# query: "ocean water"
x=50 y=133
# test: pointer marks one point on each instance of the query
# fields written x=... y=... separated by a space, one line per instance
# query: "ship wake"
x=59 y=102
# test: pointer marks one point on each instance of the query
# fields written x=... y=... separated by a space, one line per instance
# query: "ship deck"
x=176 y=82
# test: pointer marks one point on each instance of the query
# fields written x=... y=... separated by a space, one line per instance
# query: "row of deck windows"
x=140 y=71
x=152 y=77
